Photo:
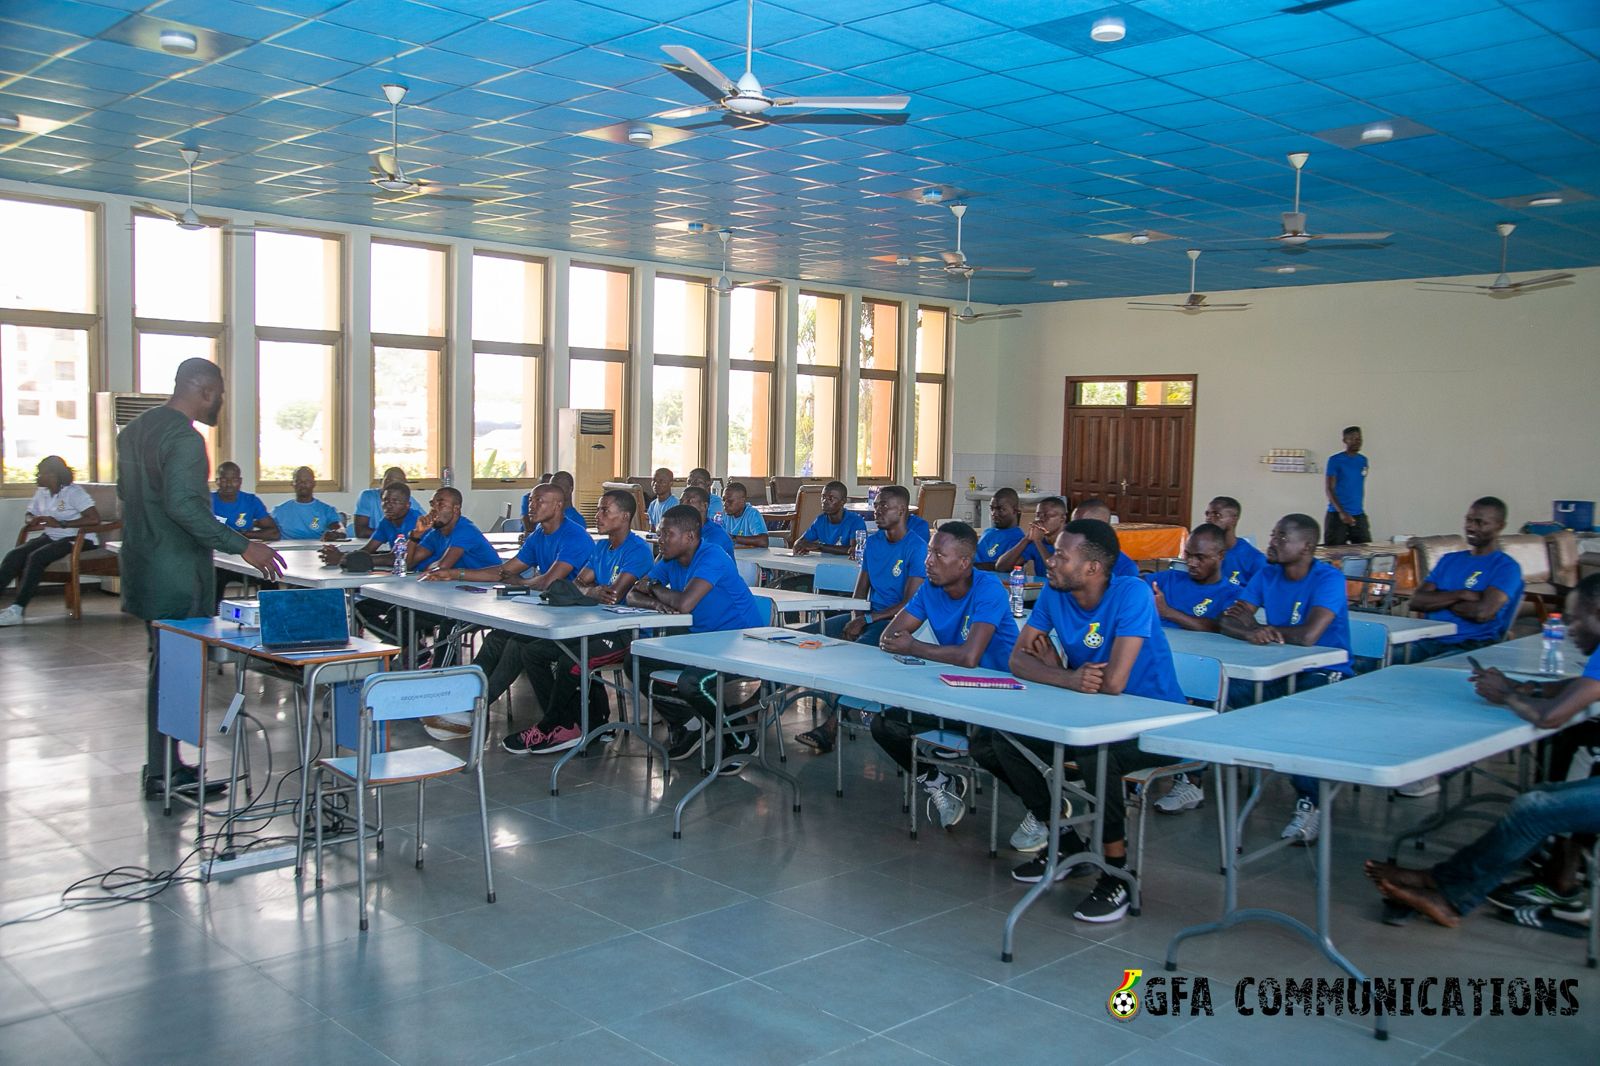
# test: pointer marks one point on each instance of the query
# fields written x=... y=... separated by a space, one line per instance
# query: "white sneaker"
x=947 y=802
x=1185 y=795
x=456 y=726
x=11 y=616
x=1306 y=823
x=1030 y=834
x=1428 y=786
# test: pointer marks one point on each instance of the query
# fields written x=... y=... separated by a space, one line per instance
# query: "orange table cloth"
x=1146 y=540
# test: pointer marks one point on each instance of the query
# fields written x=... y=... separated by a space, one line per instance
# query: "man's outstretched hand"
x=262 y=556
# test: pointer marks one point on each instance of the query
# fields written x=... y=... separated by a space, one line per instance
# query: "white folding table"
x=525 y=616
x=1258 y=663
x=792 y=601
x=1405 y=631
x=306 y=570
x=1523 y=658
x=786 y=560
x=1058 y=716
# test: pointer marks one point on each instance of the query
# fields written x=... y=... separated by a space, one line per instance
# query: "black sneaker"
x=682 y=743
x=1531 y=892
x=185 y=781
x=735 y=745
x=1032 y=871
x=1107 y=902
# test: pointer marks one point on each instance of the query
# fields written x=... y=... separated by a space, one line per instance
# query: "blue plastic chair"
x=836 y=577
x=1370 y=640
x=398 y=696
x=1205 y=682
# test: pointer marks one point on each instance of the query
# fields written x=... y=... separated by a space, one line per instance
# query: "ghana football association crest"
x=1123 y=1003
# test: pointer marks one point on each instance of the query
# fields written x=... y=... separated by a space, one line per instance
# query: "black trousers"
x=550 y=666
x=156 y=744
x=992 y=751
x=894 y=729
x=694 y=696
x=28 y=560
x=1357 y=532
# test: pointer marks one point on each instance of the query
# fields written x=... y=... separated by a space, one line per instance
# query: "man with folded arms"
x=1003 y=533
x=1049 y=516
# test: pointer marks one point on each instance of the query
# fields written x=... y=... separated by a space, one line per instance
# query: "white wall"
x=1459 y=395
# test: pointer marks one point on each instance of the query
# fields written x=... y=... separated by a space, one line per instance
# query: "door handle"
x=1124 y=484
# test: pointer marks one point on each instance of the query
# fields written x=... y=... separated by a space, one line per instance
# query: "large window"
x=48 y=324
x=408 y=345
x=599 y=338
x=178 y=301
x=507 y=361
x=820 y=340
x=299 y=346
x=876 y=408
x=932 y=375
x=752 y=353
x=678 y=389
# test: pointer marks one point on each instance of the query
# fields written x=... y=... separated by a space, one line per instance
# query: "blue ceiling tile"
x=598 y=68
x=1516 y=57
x=985 y=91
x=838 y=47
x=1276 y=35
x=1133 y=95
x=1074 y=74
x=1467 y=33
x=1003 y=52
x=241 y=20
x=339 y=42
x=67 y=16
x=575 y=21
x=914 y=72
x=773 y=24
x=933 y=25
x=1047 y=110
x=1172 y=56
x=503 y=44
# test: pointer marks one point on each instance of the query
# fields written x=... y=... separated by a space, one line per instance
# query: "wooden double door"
x=1130 y=441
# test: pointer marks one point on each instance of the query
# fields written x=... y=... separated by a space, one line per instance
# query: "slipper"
x=817 y=740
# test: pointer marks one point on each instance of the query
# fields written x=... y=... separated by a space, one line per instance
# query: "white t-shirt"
x=67 y=505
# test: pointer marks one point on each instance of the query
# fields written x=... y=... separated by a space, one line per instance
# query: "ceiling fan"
x=189 y=218
x=1294 y=233
x=723 y=285
x=956 y=262
x=1196 y=301
x=747 y=99
x=967 y=314
x=1502 y=285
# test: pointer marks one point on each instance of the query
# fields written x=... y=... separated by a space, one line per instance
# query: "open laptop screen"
x=303 y=618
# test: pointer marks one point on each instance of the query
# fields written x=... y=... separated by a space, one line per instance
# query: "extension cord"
x=237 y=862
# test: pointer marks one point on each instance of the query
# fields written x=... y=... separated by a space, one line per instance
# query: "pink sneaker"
x=535 y=741
x=530 y=739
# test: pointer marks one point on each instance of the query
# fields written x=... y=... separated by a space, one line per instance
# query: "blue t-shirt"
x=748 y=523
x=728 y=604
x=996 y=542
x=1242 y=562
x=714 y=506
x=633 y=556
x=1032 y=557
x=242 y=514
x=370 y=504
x=1463 y=570
x=476 y=551
x=889 y=564
x=1124 y=566
x=918 y=526
x=386 y=531
x=1185 y=594
x=656 y=508
x=1128 y=609
x=1289 y=603
x=1349 y=473
x=951 y=619
x=717 y=537
x=842 y=533
x=568 y=544
x=572 y=513
x=1591 y=669
x=304 y=521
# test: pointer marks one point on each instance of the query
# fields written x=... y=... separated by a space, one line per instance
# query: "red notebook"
x=978 y=681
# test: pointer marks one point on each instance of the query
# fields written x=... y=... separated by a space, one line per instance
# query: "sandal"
x=818 y=740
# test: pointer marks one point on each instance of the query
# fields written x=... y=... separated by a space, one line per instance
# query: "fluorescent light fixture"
x=1059 y=284
x=1545 y=201
x=640 y=135
x=1378 y=131
x=1285 y=270
x=179 y=41
x=1139 y=238
x=1108 y=30
x=10 y=122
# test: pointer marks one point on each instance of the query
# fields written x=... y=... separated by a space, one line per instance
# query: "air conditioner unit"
x=586 y=445
x=112 y=411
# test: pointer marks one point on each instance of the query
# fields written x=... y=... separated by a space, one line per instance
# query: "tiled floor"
x=761 y=936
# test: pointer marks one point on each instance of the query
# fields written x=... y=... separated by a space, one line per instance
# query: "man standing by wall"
x=1346 y=489
x=169 y=532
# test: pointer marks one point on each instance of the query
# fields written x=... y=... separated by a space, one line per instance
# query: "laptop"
x=303 y=619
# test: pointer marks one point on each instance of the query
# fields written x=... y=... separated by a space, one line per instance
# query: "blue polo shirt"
x=1032 y=557
x=1242 y=562
x=476 y=551
x=728 y=604
x=996 y=542
x=1463 y=570
x=1289 y=603
x=656 y=508
x=370 y=504
x=748 y=523
x=242 y=514
x=632 y=556
x=304 y=521
x=572 y=513
x=385 y=532
x=717 y=537
x=1128 y=609
x=836 y=534
x=1349 y=473
x=951 y=619
x=918 y=526
x=1124 y=566
x=1183 y=593
x=568 y=544
x=889 y=564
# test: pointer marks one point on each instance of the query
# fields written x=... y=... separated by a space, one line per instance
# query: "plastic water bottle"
x=1017 y=582
x=399 y=566
x=872 y=496
x=859 y=552
x=1555 y=635
x=447 y=476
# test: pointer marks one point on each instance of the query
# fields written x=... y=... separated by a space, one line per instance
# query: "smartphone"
x=471 y=588
x=910 y=660
x=1477 y=667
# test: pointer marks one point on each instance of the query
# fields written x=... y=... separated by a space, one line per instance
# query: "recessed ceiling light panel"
x=1545 y=198
x=1374 y=132
x=181 y=42
x=176 y=39
x=1108 y=30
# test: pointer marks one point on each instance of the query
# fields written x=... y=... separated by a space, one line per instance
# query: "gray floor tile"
x=865 y=901
x=752 y=937
x=968 y=938
x=768 y=865
x=621 y=978
x=284 y=925
x=84 y=970
x=17 y=1000
x=566 y=860
x=738 y=1024
x=520 y=928
x=380 y=967
x=652 y=896
x=44 y=1039
x=315 y=1041
x=597 y=1047
x=872 y=984
x=1511 y=1039
x=1001 y=1025
x=876 y=1051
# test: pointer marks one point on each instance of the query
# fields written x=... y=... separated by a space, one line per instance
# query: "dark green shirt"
x=168 y=530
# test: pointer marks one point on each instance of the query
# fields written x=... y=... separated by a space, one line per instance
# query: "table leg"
x=583 y=715
x=618 y=725
x=1052 y=856
x=716 y=767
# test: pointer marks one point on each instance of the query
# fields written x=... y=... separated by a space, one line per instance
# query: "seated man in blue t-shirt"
x=743 y=522
x=1196 y=596
x=1031 y=552
x=1478 y=589
x=1098 y=510
x=568 y=485
x=614 y=564
x=1003 y=533
x=661 y=498
x=243 y=512
x=1555 y=898
x=700 y=477
x=305 y=517
x=369 y=505
x=1113 y=643
x=699 y=580
x=711 y=532
x=834 y=530
x=969 y=612
x=1304 y=602
x=894 y=564
x=397 y=518
x=1241 y=560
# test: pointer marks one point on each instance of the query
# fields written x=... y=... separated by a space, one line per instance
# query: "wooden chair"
x=641 y=513
x=936 y=500
x=807 y=505
x=783 y=489
x=87 y=560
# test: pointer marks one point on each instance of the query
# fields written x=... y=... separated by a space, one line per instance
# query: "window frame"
x=624 y=356
x=893 y=378
x=440 y=345
x=535 y=350
x=836 y=372
x=941 y=379
x=91 y=323
x=769 y=367
x=701 y=362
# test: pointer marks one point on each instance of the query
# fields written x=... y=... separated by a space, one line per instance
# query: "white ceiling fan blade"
x=955 y=259
x=1453 y=285
x=1002 y=270
x=1224 y=307
x=687 y=112
x=986 y=315
x=156 y=209
x=846 y=103
x=1545 y=280
x=388 y=166
x=756 y=284
x=1351 y=236
x=697 y=63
